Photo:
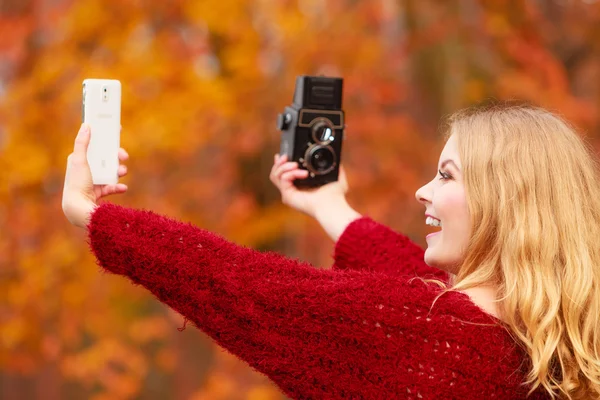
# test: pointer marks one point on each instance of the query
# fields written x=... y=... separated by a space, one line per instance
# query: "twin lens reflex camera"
x=313 y=128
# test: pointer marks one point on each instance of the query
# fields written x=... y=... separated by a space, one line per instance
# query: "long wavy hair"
x=533 y=191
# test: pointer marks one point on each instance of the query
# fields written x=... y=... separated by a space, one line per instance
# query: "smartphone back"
x=102 y=112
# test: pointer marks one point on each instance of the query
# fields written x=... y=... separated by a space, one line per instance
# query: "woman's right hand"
x=308 y=201
x=327 y=203
x=80 y=195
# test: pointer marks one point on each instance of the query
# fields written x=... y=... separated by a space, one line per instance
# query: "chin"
x=430 y=259
x=437 y=262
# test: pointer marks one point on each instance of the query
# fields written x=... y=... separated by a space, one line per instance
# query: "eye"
x=444 y=176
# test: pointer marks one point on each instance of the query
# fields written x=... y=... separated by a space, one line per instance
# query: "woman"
x=508 y=300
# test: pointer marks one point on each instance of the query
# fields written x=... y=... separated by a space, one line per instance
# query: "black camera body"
x=312 y=129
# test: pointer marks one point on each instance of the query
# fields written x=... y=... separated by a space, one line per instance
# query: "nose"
x=423 y=194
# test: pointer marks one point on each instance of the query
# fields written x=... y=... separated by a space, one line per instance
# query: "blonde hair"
x=533 y=191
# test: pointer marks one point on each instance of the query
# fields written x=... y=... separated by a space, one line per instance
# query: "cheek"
x=453 y=209
x=447 y=252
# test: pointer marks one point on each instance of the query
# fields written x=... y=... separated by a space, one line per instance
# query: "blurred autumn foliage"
x=202 y=84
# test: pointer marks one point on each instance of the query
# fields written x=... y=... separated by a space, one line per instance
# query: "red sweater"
x=362 y=330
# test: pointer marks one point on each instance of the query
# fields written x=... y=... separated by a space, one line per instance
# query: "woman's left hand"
x=80 y=195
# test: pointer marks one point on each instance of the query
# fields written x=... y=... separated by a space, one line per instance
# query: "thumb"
x=78 y=171
x=82 y=141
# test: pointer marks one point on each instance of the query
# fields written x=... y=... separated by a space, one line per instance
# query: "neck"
x=485 y=298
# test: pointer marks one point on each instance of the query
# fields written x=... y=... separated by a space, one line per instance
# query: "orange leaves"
x=202 y=84
x=263 y=392
x=117 y=369
x=144 y=331
x=12 y=332
x=231 y=380
x=31 y=172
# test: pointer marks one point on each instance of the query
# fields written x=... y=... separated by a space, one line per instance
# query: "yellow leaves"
x=92 y=20
x=19 y=295
x=218 y=386
x=149 y=329
x=291 y=23
x=74 y=294
x=241 y=59
x=59 y=255
x=12 y=332
x=263 y=392
x=255 y=229
x=118 y=369
x=27 y=162
x=231 y=380
x=202 y=84
x=224 y=17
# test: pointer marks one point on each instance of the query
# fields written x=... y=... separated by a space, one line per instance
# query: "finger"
x=272 y=176
x=123 y=155
x=122 y=170
x=280 y=159
x=289 y=166
x=278 y=169
x=276 y=161
x=113 y=189
x=290 y=176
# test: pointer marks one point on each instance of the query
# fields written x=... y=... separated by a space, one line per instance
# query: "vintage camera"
x=313 y=129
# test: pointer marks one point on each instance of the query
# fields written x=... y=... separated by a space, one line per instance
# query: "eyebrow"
x=449 y=161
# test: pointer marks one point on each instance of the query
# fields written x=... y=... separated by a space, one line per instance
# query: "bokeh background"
x=203 y=82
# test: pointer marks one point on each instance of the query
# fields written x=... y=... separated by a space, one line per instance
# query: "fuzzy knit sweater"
x=362 y=330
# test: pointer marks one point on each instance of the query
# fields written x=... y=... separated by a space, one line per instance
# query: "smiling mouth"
x=434 y=223
x=433 y=234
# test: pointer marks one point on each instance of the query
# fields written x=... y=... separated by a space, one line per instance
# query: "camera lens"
x=320 y=159
x=323 y=131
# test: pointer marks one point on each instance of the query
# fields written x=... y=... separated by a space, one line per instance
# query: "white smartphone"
x=102 y=112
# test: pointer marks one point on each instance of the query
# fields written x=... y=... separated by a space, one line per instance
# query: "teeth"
x=432 y=222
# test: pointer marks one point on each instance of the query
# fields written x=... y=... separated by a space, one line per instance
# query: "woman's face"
x=444 y=200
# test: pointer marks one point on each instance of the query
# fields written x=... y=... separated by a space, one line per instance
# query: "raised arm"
x=361 y=243
x=369 y=245
x=316 y=333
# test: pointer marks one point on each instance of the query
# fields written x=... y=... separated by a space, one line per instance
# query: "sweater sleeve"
x=316 y=333
x=369 y=245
